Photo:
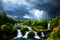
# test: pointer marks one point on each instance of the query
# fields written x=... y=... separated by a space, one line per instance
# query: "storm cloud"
x=31 y=9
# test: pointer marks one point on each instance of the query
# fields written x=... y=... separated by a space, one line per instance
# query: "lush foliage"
x=6 y=27
x=7 y=31
x=31 y=34
x=55 y=34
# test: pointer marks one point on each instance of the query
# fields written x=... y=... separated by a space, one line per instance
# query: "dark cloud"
x=1 y=8
x=25 y=8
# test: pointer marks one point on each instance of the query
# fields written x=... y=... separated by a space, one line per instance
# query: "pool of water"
x=26 y=39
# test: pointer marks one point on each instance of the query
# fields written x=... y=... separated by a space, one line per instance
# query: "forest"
x=7 y=31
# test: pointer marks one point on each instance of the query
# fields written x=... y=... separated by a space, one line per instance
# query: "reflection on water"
x=26 y=35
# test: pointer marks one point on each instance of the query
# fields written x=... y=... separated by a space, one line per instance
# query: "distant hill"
x=22 y=18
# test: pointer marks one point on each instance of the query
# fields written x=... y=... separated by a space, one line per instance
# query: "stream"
x=25 y=37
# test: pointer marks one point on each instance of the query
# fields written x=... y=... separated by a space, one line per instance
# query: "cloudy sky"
x=31 y=9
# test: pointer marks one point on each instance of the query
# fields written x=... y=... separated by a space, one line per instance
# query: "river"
x=26 y=39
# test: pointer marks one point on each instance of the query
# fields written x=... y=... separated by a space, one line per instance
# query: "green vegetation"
x=7 y=31
x=55 y=25
x=23 y=29
x=55 y=34
x=6 y=27
x=31 y=34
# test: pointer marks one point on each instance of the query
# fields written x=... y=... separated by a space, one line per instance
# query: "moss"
x=31 y=34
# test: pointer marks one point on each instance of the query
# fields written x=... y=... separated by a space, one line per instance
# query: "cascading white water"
x=26 y=35
x=19 y=35
x=42 y=34
x=16 y=25
x=36 y=36
x=48 y=26
x=29 y=28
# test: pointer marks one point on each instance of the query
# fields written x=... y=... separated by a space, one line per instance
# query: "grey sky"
x=31 y=9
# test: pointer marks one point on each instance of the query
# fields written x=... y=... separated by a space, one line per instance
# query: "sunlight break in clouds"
x=27 y=16
x=36 y=14
x=18 y=5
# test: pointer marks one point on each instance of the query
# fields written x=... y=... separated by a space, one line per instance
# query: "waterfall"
x=26 y=35
x=19 y=34
x=29 y=28
x=36 y=36
x=42 y=34
x=16 y=25
x=48 y=26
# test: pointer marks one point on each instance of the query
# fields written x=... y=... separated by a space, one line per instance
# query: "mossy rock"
x=31 y=34
x=39 y=33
